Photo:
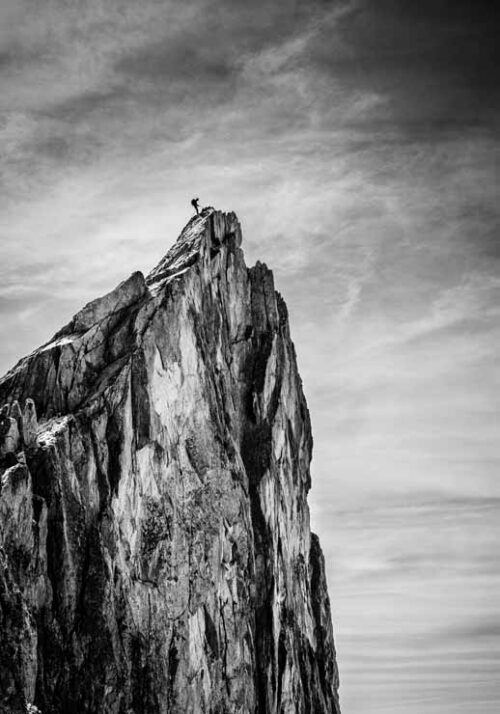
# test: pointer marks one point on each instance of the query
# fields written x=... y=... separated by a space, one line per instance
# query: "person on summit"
x=194 y=203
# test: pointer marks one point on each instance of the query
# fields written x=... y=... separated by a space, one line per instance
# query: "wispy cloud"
x=432 y=564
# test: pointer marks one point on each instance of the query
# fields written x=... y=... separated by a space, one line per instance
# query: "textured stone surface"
x=155 y=548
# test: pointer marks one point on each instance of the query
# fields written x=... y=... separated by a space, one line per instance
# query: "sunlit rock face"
x=155 y=547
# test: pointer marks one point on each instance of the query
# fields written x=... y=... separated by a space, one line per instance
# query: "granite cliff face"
x=155 y=548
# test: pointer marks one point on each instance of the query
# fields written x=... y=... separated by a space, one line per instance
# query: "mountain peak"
x=202 y=235
x=155 y=547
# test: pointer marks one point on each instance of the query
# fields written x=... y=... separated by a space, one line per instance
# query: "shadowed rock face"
x=155 y=548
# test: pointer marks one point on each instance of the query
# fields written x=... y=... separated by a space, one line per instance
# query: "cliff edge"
x=155 y=547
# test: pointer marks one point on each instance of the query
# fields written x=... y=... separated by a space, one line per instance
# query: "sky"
x=358 y=142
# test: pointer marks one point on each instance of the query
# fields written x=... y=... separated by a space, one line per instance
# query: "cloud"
x=435 y=62
x=414 y=604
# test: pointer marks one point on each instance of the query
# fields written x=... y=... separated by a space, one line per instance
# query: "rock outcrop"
x=155 y=547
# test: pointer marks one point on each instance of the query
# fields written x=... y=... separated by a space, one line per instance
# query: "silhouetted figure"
x=194 y=203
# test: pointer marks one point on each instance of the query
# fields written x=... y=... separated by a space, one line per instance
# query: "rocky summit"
x=155 y=547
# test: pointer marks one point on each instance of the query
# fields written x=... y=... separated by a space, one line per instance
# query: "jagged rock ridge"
x=155 y=548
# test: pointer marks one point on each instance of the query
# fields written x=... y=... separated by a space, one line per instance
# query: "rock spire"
x=155 y=547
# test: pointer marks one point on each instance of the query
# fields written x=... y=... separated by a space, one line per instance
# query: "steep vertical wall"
x=156 y=553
